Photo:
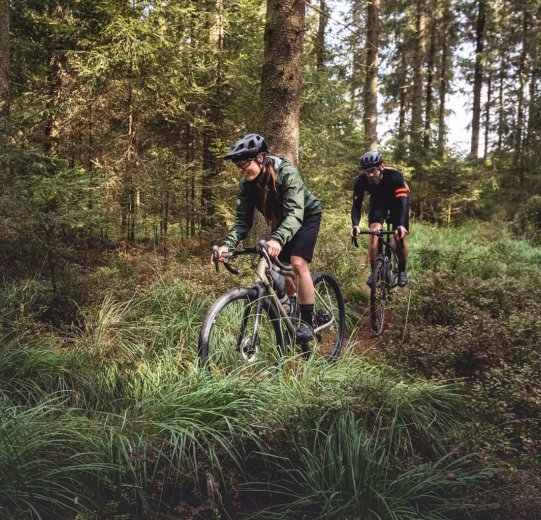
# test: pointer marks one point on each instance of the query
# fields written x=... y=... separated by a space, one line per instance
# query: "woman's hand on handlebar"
x=273 y=248
x=354 y=232
x=221 y=250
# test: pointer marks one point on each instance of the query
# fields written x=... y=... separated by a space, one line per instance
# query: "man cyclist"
x=275 y=187
x=388 y=191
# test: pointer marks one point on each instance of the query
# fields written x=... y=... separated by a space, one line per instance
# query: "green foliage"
x=528 y=220
x=156 y=435
x=473 y=314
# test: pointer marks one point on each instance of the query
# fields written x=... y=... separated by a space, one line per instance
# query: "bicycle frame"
x=386 y=251
x=264 y=287
x=252 y=321
x=261 y=272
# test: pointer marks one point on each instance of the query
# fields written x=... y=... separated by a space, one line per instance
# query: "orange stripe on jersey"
x=400 y=195
x=398 y=190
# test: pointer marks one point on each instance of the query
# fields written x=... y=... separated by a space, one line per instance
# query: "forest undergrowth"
x=106 y=414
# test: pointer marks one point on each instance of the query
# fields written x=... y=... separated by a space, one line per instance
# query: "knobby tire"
x=329 y=307
x=378 y=294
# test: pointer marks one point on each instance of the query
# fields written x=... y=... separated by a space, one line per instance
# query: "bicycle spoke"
x=234 y=335
x=329 y=318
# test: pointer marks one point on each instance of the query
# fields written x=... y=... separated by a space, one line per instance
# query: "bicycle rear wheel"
x=378 y=295
x=234 y=334
x=329 y=318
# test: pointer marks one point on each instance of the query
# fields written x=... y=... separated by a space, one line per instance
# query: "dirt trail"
x=364 y=339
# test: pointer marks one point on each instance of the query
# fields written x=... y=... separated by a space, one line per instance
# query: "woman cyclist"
x=275 y=187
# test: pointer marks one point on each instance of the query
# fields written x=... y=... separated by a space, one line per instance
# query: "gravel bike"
x=251 y=324
x=384 y=275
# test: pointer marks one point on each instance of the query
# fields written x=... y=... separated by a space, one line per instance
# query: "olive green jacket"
x=296 y=199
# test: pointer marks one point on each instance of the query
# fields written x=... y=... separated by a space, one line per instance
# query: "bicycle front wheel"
x=378 y=295
x=238 y=330
x=329 y=317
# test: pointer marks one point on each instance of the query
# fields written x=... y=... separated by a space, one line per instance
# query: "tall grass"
x=117 y=418
x=351 y=470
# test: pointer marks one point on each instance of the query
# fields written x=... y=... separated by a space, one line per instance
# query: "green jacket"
x=297 y=201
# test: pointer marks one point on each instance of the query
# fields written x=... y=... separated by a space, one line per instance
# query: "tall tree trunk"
x=4 y=60
x=4 y=79
x=281 y=82
x=400 y=152
x=215 y=120
x=418 y=79
x=522 y=77
x=52 y=126
x=501 y=108
x=281 y=77
x=130 y=202
x=533 y=100
x=357 y=64
x=56 y=77
x=371 y=85
x=320 y=36
x=478 y=77
x=429 y=86
x=487 y=115
x=443 y=78
x=190 y=180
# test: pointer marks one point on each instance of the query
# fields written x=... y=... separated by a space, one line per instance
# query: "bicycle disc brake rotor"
x=249 y=347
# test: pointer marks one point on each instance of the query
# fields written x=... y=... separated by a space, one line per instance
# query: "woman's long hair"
x=271 y=202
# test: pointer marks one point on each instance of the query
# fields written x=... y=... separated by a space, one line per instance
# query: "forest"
x=115 y=116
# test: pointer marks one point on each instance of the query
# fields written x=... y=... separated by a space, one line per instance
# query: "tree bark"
x=320 y=36
x=4 y=59
x=501 y=110
x=215 y=119
x=371 y=84
x=533 y=100
x=478 y=78
x=429 y=86
x=281 y=77
x=487 y=115
x=400 y=152
x=522 y=77
x=443 y=79
x=418 y=79
x=357 y=65
x=281 y=83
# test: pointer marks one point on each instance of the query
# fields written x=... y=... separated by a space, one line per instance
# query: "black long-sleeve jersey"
x=392 y=193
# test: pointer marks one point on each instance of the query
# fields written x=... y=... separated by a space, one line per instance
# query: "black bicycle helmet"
x=370 y=159
x=247 y=147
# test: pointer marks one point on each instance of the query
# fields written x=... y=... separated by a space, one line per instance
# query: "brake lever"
x=215 y=257
x=230 y=268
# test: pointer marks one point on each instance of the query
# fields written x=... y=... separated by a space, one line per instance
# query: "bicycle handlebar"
x=376 y=233
x=260 y=249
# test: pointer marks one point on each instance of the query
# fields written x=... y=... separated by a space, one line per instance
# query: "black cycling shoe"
x=369 y=280
x=402 y=278
x=304 y=333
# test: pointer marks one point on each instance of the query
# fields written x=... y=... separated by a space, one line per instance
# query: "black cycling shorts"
x=303 y=242
x=377 y=213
